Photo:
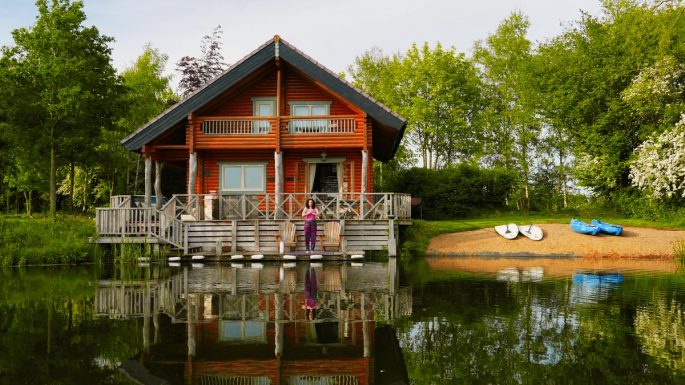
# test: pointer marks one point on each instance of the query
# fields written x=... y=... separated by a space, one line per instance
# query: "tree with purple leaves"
x=198 y=71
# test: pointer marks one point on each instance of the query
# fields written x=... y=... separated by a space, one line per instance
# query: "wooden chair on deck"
x=331 y=236
x=286 y=233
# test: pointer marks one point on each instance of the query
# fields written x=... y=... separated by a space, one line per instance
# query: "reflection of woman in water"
x=310 y=292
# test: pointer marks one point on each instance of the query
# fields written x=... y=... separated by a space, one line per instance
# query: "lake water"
x=435 y=321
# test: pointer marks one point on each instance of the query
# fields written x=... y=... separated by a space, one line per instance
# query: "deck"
x=230 y=224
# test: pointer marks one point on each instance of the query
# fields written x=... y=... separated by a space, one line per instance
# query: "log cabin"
x=244 y=152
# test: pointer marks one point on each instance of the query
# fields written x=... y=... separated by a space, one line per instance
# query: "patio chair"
x=331 y=236
x=286 y=233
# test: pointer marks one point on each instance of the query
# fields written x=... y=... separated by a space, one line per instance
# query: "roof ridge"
x=224 y=72
x=361 y=92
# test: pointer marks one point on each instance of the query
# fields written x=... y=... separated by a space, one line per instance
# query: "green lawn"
x=416 y=237
x=40 y=240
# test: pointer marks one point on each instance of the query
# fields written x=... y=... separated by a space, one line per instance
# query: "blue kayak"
x=608 y=228
x=584 y=228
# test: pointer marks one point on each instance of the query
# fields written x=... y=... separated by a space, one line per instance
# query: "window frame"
x=310 y=104
x=243 y=189
x=309 y=126
x=262 y=126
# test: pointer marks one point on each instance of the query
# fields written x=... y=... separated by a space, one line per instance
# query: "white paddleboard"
x=531 y=231
x=508 y=231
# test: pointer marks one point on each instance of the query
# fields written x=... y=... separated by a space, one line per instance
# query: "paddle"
x=507 y=232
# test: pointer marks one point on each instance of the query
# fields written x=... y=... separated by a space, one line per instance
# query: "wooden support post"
x=158 y=184
x=343 y=243
x=256 y=235
x=192 y=173
x=148 y=180
x=190 y=309
x=392 y=242
x=185 y=240
x=365 y=327
x=365 y=174
x=278 y=338
x=146 y=320
x=278 y=161
x=234 y=236
x=365 y=170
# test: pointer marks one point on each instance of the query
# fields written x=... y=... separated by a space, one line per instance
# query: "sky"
x=332 y=32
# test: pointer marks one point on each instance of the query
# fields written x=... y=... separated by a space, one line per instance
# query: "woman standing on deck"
x=310 y=214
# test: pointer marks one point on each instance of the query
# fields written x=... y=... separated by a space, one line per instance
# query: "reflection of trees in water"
x=661 y=330
x=49 y=332
x=483 y=331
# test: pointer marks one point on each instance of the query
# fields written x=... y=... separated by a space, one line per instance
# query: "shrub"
x=456 y=191
x=31 y=241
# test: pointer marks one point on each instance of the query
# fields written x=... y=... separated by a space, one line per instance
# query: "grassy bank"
x=416 y=237
x=39 y=241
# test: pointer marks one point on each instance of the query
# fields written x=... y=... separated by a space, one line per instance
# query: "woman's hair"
x=307 y=204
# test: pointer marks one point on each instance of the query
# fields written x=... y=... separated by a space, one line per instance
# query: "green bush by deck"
x=38 y=241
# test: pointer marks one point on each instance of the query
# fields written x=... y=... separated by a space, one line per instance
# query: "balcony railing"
x=322 y=125
x=251 y=125
x=236 y=126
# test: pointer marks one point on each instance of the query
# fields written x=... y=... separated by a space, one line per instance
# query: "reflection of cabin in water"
x=245 y=152
x=227 y=325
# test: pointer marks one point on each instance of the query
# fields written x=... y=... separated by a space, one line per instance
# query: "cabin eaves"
x=390 y=126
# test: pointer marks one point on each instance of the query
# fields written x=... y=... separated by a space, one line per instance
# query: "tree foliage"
x=436 y=90
x=613 y=80
x=198 y=71
x=61 y=87
x=659 y=164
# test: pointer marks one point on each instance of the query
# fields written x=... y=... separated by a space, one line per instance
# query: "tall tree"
x=146 y=94
x=198 y=71
x=63 y=86
x=437 y=90
x=512 y=125
x=597 y=76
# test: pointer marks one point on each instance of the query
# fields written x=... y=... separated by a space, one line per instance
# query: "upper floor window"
x=320 y=108
x=263 y=107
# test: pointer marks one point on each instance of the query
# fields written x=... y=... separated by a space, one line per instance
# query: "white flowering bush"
x=662 y=80
x=658 y=167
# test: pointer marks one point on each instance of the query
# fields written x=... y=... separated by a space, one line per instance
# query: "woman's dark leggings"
x=309 y=234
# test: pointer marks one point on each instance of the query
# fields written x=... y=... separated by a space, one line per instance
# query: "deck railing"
x=140 y=222
x=117 y=201
x=378 y=206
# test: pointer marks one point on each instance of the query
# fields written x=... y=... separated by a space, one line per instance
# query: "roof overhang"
x=388 y=126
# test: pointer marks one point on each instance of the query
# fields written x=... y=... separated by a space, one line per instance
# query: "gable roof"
x=390 y=125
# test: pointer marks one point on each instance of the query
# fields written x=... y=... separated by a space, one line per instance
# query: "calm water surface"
x=439 y=321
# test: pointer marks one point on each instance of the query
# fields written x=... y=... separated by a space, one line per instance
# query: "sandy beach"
x=559 y=240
